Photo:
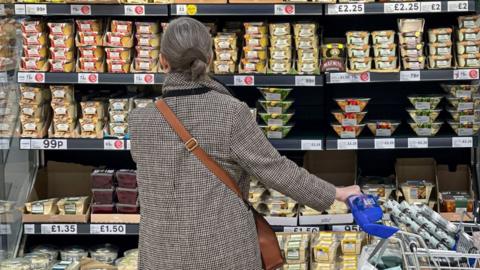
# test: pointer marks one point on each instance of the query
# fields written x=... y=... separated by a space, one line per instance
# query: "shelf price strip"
x=346 y=9
x=240 y=80
x=407 y=7
x=462 y=142
x=135 y=10
x=81 y=10
x=108 y=229
x=344 y=77
x=408 y=76
x=307 y=145
x=304 y=80
x=457 y=6
x=347 y=144
x=31 y=77
x=417 y=142
x=466 y=74
x=58 y=228
x=284 y=10
x=384 y=143
x=300 y=229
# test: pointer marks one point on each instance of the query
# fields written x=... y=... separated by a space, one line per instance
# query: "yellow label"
x=191 y=10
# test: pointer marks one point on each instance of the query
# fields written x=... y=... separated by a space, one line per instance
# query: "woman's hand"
x=343 y=193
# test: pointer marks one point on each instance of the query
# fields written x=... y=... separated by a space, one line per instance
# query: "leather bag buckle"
x=191 y=144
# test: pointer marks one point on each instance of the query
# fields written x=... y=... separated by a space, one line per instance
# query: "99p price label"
x=304 y=80
x=345 y=9
x=108 y=229
x=48 y=144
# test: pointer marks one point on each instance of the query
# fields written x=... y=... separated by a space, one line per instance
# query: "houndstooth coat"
x=189 y=219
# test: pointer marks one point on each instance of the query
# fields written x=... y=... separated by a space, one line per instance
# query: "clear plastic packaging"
x=104 y=253
x=74 y=253
x=126 y=178
x=103 y=196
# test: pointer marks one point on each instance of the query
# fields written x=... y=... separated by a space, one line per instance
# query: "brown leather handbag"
x=270 y=250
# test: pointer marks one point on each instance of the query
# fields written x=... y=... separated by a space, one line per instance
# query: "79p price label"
x=59 y=228
x=31 y=77
x=108 y=229
x=345 y=9
x=284 y=9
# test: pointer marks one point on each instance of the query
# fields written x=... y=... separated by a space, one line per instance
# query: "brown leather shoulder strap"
x=192 y=145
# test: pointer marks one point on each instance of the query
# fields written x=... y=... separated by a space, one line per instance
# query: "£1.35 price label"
x=108 y=229
x=345 y=9
x=59 y=228
x=407 y=7
x=31 y=77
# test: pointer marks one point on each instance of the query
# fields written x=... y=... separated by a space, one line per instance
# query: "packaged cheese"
x=253 y=66
x=280 y=66
x=307 y=55
x=72 y=205
x=255 y=28
x=279 y=29
x=307 y=67
x=256 y=40
x=226 y=55
x=305 y=30
x=306 y=43
x=280 y=54
x=281 y=42
x=255 y=53
x=224 y=41
x=42 y=207
x=224 y=67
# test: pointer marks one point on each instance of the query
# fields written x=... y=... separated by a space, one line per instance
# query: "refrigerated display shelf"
x=91 y=10
x=245 y=9
x=403 y=76
x=400 y=8
x=158 y=78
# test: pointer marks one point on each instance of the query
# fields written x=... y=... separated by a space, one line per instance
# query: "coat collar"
x=176 y=81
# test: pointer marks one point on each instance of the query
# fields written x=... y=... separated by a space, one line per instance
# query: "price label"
x=31 y=77
x=347 y=144
x=429 y=7
x=29 y=228
x=129 y=146
x=48 y=144
x=417 y=142
x=144 y=79
x=59 y=228
x=4 y=144
x=248 y=80
x=345 y=9
x=343 y=77
x=5 y=229
x=304 y=80
x=181 y=9
x=2 y=10
x=36 y=9
x=88 y=78
x=407 y=76
x=135 y=10
x=407 y=7
x=81 y=10
x=25 y=144
x=108 y=229
x=384 y=143
x=284 y=9
x=465 y=74
x=462 y=142
x=113 y=145
x=311 y=145
x=20 y=9
x=346 y=228
x=3 y=77
x=301 y=229
x=457 y=6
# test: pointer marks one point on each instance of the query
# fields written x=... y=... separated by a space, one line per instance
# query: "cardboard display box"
x=336 y=167
x=408 y=169
x=115 y=218
x=457 y=180
x=60 y=180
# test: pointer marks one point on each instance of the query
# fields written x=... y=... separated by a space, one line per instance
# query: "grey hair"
x=187 y=46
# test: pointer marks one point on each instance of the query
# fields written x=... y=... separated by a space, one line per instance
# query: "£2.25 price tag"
x=462 y=142
x=347 y=144
x=407 y=7
x=457 y=6
x=88 y=78
x=31 y=77
x=412 y=75
x=59 y=228
x=144 y=79
x=284 y=9
x=345 y=9
x=108 y=229
x=417 y=142
x=465 y=74
x=244 y=80
x=311 y=145
x=304 y=80
x=135 y=10
x=81 y=10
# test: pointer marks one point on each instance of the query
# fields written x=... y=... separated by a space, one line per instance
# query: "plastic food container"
x=102 y=179
x=461 y=91
x=410 y=38
x=127 y=196
x=464 y=128
x=357 y=38
x=441 y=35
x=383 y=37
x=439 y=61
x=103 y=208
x=104 y=253
x=383 y=128
x=38 y=260
x=74 y=254
x=348 y=132
x=49 y=250
x=470 y=21
x=468 y=60
x=275 y=94
x=324 y=247
x=358 y=51
x=385 y=63
x=127 y=263
x=382 y=191
x=411 y=50
x=414 y=63
x=274 y=119
x=347 y=119
x=351 y=243
x=126 y=178
x=468 y=116
x=417 y=191
x=103 y=196
x=15 y=264
x=463 y=104
x=428 y=102
x=360 y=64
x=442 y=49
x=276 y=132
x=385 y=50
x=410 y=25
x=427 y=129
x=423 y=116
x=468 y=47
x=276 y=106
x=352 y=104
x=128 y=208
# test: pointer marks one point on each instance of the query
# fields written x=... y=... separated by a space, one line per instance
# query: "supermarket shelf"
x=403 y=76
x=119 y=145
x=246 y=9
x=157 y=78
x=400 y=7
x=80 y=229
x=334 y=143
x=90 y=10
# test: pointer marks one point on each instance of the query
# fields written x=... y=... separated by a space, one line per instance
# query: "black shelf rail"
x=285 y=9
x=91 y=10
x=80 y=229
x=158 y=78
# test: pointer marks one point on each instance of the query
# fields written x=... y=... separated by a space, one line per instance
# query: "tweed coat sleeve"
x=252 y=150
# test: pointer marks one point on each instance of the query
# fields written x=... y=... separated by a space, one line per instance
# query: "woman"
x=189 y=219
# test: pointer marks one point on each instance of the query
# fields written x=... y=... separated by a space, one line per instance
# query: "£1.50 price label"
x=108 y=229
x=48 y=144
x=345 y=9
x=301 y=229
x=407 y=7
x=59 y=228
x=31 y=77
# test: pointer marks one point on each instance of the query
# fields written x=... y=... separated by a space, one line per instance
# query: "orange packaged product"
x=62 y=41
x=145 y=65
x=32 y=26
x=124 y=27
x=35 y=51
x=61 y=65
x=34 y=64
x=148 y=40
x=118 y=53
x=35 y=39
x=95 y=26
x=118 y=40
x=61 y=28
x=147 y=52
x=90 y=65
x=91 y=52
x=147 y=28
x=89 y=39
x=118 y=66
x=57 y=53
